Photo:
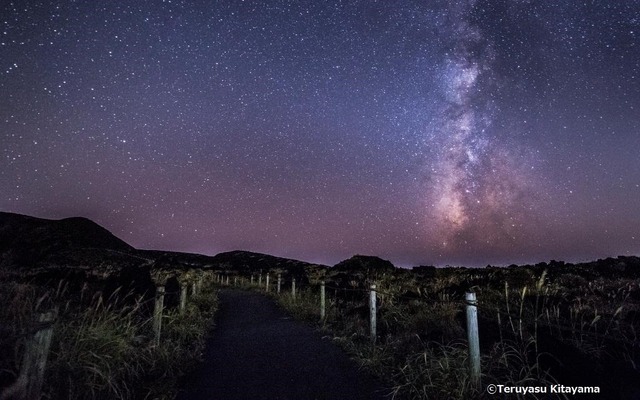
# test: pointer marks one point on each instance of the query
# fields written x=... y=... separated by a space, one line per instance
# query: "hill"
x=365 y=264
x=246 y=262
x=28 y=241
x=36 y=245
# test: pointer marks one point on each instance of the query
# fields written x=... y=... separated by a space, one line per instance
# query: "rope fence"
x=37 y=335
x=372 y=295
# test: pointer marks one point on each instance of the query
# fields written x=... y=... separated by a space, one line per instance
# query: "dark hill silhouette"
x=78 y=245
x=361 y=269
x=246 y=261
x=26 y=241
x=365 y=264
x=74 y=250
x=76 y=232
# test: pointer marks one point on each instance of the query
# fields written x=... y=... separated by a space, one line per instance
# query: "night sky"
x=423 y=132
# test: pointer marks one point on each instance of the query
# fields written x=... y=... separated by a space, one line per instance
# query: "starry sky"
x=423 y=132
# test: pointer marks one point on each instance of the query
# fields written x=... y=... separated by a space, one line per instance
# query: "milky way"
x=467 y=132
x=479 y=194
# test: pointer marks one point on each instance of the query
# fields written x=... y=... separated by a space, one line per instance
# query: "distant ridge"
x=249 y=261
x=77 y=242
x=368 y=264
x=27 y=240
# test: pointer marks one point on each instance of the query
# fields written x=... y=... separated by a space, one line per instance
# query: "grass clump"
x=103 y=348
x=537 y=328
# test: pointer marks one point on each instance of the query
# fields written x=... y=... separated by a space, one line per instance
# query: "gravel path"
x=258 y=352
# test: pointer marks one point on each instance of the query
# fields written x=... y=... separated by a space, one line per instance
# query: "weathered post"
x=322 y=301
x=267 y=285
x=474 y=341
x=279 y=282
x=373 y=312
x=157 y=313
x=235 y=281
x=183 y=297
x=260 y=279
x=227 y=280
x=293 y=288
x=29 y=383
x=194 y=289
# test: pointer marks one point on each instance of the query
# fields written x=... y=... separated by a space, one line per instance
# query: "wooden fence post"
x=322 y=301
x=29 y=383
x=474 y=341
x=279 y=282
x=260 y=279
x=194 y=289
x=227 y=280
x=373 y=312
x=157 y=313
x=267 y=285
x=183 y=297
x=293 y=288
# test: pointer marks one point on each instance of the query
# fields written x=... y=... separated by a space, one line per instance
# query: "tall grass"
x=422 y=347
x=103 y=348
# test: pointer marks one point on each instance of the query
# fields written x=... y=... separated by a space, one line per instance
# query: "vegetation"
x=539 y=326
x=102 y=345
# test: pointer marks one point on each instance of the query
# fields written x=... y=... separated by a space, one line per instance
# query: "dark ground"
x=258 y=352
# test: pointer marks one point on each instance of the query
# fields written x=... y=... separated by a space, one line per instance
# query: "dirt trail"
x=258 y=352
